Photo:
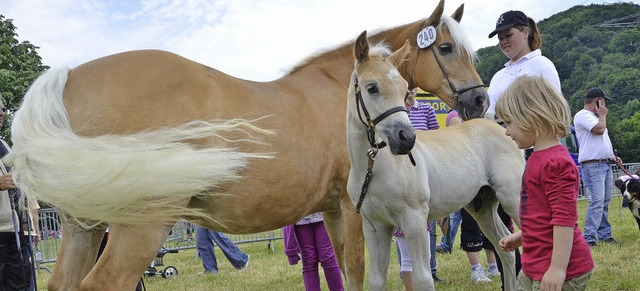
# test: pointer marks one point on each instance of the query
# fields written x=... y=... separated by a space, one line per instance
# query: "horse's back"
x=476 y=148
x=137 y=90
x=477 y=136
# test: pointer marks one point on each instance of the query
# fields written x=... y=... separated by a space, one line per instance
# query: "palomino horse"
x=453 y=166
x=106 y=142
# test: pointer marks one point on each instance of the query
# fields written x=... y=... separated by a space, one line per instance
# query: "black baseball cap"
x=596 y=92
x=508 y=20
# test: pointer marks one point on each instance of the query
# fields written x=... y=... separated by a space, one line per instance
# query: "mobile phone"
x=598 y=103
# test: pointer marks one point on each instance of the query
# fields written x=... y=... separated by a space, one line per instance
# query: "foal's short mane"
x=381 y=49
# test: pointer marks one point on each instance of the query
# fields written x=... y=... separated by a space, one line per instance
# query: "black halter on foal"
x=371 y=137
x=371 y=123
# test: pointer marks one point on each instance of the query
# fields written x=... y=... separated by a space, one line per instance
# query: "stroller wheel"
x=150 y=272
x=169 y=272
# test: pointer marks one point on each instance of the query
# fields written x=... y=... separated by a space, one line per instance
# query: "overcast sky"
x=258 y=40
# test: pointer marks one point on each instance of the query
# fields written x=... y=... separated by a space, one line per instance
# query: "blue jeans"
x=598 y=178
x=204 y=243
x=454 y=222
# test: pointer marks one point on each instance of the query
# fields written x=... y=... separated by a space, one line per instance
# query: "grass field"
x=616 y=266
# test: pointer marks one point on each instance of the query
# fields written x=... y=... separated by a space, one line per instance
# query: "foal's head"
x=376 y=95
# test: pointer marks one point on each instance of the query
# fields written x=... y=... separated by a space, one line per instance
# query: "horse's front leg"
x=333 y=224
x=414 y=227
x=129 y=251
x=76 y=256
x=353 y=247
x=378 y=238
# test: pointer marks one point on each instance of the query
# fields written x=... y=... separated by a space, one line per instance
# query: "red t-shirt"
x=549 y=197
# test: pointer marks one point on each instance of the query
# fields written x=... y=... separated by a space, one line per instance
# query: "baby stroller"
x=167 y=272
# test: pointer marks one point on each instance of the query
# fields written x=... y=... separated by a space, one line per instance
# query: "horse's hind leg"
x=494 y=229
x=129 y=251
x=76 y=256
x=507 y=186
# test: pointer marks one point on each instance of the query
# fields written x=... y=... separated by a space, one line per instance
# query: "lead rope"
x=371 y=137
x=371 y=153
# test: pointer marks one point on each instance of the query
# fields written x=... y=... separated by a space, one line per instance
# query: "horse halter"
x=456 y=92
x=371 y=137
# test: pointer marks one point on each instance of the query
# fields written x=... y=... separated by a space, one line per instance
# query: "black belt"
x=608 y=161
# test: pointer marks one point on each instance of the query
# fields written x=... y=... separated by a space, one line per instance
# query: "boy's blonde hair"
x=533 y=105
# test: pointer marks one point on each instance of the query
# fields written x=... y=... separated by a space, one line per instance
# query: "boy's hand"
x=553 y=280
x=511 y=242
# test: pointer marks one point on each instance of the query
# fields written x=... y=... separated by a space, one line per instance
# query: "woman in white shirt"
x=520 y=41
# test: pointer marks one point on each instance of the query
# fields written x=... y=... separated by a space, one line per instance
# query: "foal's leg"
x=493 y=228
x=414 y=227
x=378 y=237
x=76 y=256
x=129 y=251
x=507 y=184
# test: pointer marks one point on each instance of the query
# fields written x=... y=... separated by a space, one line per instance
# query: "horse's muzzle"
x=402 y=140
x=473 y=103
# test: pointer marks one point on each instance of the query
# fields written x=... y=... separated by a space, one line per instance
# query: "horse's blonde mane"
x=455 y=29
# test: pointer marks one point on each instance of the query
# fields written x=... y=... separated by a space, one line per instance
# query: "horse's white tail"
x=130 y=179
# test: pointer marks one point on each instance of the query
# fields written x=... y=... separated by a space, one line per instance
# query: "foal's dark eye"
x=445 y=48
x=372 y=89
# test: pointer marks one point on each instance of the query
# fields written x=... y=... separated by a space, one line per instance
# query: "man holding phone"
x=595 y=156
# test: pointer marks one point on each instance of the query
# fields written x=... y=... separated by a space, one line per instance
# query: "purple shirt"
x=422 y=116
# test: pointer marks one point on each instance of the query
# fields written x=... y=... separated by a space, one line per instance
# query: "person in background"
x=204 y=244
x=520 y=41
x=595 y=156
x=555 y=255
x=15 y=266
x=308 y=238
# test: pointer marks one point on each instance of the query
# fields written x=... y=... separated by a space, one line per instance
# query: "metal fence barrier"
x=181 y=237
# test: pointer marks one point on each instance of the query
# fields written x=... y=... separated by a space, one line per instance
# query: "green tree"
x=626 y=42
x=20 y=64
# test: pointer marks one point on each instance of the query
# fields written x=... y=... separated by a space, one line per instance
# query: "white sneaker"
x=493 y=271
x=479 y=276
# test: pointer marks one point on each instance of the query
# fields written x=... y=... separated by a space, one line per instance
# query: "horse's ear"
x=361 y=48
x=458 y=14
x=399 y=57
x=434 y=19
